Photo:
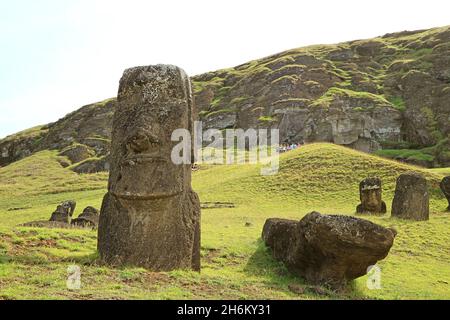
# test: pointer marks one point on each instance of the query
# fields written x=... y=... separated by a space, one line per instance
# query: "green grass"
x=398 y=102
x=407 y=154
x=443 y=171
x=235 y=263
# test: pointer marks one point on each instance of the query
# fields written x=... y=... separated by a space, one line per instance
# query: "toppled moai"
x=150 y=216
x=445 y=187
x=64 y=212
x=370 y=191
x=87 y=219
x=411 y=198
x=328 y=250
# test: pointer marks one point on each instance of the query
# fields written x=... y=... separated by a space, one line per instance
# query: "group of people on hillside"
x=285 y=147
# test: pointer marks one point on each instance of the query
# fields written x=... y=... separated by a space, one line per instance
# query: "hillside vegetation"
x=389 y=94
x=235 y=263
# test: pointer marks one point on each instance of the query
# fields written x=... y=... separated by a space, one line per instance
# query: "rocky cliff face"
x=82 y=137
x=389 y=95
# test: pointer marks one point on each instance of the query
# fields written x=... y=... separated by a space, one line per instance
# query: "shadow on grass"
x=262 y=264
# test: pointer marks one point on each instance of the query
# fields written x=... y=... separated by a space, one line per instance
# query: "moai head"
x=370 y=194
x=61 y=214
x=153 y=102
x=150 y=216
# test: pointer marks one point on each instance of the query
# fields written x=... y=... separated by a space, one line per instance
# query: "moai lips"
x=150 y=216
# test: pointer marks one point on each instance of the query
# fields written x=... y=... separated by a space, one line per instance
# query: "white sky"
x=56 y=56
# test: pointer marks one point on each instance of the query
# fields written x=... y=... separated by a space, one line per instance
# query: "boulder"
x=150 y=220
x=411 y=199
x=445 y=187
x=88 y=218
x=328 y=250
x=370 y=191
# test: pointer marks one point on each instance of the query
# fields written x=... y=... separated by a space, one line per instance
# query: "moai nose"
x=139 y=142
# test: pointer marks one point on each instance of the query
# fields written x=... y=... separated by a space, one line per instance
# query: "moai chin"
x=150 y=216
x=370 y=191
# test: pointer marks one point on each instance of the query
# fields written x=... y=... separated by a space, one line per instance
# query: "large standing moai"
x=445 y=187
x=370 y=195
x=150 y=216
x=411 y=199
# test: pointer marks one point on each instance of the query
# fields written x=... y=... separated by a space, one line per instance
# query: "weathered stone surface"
x=328 y=249
x=411 y=199
x=370 y=191
x=445 y=187
x=88 y=218
x=153 y=219
x=64 y=212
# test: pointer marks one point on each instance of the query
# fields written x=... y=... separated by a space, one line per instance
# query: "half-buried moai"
x=411 y=199
x=370 y=194
x=150 y=216
x=445 y=187
x=64 y=211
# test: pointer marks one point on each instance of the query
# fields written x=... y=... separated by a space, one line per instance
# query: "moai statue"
x=88 y=218
x=150 y=216
x=411 y=199
x=445 y=187
x=370 y=194
x=64 y=212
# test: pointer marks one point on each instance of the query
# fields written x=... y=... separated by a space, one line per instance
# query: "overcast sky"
x=58 y=55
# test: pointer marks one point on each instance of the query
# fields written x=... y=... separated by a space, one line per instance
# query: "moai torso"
x=370 y=192
x=150 y=216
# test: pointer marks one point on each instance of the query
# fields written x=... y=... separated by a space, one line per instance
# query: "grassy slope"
x=318 y=177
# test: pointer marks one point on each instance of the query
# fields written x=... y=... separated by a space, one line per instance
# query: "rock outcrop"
x=370 y=191
x=411 y=198
x=328 y=250
x=64 y=212
x=150 y=220
x=445 y=187
x=389 y=93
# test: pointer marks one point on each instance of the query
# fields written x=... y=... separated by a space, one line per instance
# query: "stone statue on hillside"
x=445 y=187
x=370 y=195
x=64 y=212
x=411 y=199
x=150 y=216
x=328 y=250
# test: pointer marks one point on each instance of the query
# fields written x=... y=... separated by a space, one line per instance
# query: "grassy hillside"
x=236 y=264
